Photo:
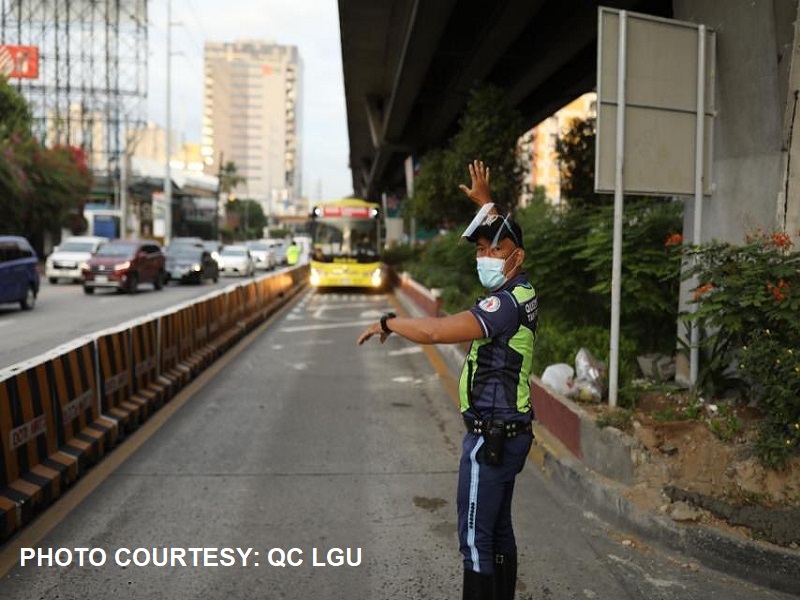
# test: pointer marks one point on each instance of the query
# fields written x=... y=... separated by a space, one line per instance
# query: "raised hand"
x=479 y=192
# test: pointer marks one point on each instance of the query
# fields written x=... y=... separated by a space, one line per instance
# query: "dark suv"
x=19 y=279
x=124 y=264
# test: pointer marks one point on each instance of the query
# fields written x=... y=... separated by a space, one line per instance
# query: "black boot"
x=504 y=578
x=477 y=586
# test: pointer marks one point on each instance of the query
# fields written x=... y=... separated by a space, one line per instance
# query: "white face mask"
x=490 y=271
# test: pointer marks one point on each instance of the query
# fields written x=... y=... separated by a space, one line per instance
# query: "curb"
x=758 y=562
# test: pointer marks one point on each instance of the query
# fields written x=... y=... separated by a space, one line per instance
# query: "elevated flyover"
x=410 y=64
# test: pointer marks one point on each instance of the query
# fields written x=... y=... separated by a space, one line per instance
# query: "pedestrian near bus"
x=292 y=254
x=494 y=392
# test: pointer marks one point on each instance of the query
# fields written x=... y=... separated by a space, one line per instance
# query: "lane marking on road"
x=32 y=534
x=409 y=350
x=326 y=326
x=11 y=322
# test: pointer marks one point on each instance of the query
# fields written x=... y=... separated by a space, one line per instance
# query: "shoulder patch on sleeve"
x=490 y=304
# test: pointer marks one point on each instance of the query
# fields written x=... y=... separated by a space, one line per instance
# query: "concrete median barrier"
x=171 y=366
x=83 y=432
x=145 y=383
x=113 y=361
x=63 y=411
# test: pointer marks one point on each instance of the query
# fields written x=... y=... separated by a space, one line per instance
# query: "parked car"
x=66 y=259
x=19 y=279
x=124 y=264
x=263 y=255
x=188 y=263
x=279 y=248
x=236 y=260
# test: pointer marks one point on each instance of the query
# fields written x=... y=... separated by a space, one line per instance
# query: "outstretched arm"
x=461 y=327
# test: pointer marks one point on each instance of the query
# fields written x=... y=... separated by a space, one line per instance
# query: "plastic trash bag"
x=560 y=378
x=590 y=375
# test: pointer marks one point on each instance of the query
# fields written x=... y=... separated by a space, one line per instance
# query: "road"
x=63 y=312
x=306 y=441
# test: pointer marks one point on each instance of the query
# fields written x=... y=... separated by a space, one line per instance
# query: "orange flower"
x=674 y=240
x=702 y=290
x=781 y=240
x=778 y=291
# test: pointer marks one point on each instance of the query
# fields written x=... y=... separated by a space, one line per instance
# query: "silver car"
x=263 y=255
x=236 y=260
x=66 y=260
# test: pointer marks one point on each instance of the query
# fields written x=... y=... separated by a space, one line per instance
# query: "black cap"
x=496 y=227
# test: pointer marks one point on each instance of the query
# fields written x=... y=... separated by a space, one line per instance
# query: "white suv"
x=263 y=255
x=66 y=259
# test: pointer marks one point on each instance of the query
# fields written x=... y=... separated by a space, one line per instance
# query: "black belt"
x=512 y=428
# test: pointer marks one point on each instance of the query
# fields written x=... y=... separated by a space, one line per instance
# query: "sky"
x=311 y=25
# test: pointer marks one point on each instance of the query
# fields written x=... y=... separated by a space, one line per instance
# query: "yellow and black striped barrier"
x=172 y=367
x=64 y=411
x=251 y=316
x=145 y=381
x=200 y=318
x=32 y=472
x=83 y=432
x=113 y=357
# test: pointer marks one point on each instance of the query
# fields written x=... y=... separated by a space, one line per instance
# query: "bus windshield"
x=345 y=240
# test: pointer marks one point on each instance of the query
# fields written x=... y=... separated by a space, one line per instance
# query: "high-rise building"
x=538 y=146
x=252 y=117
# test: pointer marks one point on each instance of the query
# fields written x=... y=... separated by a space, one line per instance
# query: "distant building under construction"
x=90 y=82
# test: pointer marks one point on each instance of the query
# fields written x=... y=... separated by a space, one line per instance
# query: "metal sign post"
x=616 y=262
x=694 y=352
x=655 y=118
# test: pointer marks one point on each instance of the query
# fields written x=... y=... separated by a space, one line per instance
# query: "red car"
x=123 y=265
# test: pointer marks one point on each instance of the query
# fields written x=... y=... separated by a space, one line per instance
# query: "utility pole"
x=168 y=137
x=123 y=186
x=215 y=225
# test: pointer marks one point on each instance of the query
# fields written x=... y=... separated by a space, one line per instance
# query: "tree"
x=251 y=217
x=489 y=130
x=41 y=189
x=576 y=152
x=229 y=178
x=15 y=116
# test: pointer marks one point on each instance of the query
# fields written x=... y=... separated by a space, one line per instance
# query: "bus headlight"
x=377 y=278
x=314 y=277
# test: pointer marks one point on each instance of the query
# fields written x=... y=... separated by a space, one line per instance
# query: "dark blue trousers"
x=484 y=501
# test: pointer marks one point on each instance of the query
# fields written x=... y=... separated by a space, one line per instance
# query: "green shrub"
x=568 y=259
x=400 y=256
x=747 y=304
x=725 y=424
x=771 y=363
x=569 y=253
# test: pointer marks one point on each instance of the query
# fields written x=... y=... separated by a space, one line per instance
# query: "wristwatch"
x=385 y=318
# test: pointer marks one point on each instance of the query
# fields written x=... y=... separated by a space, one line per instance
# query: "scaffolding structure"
x=92 y=84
